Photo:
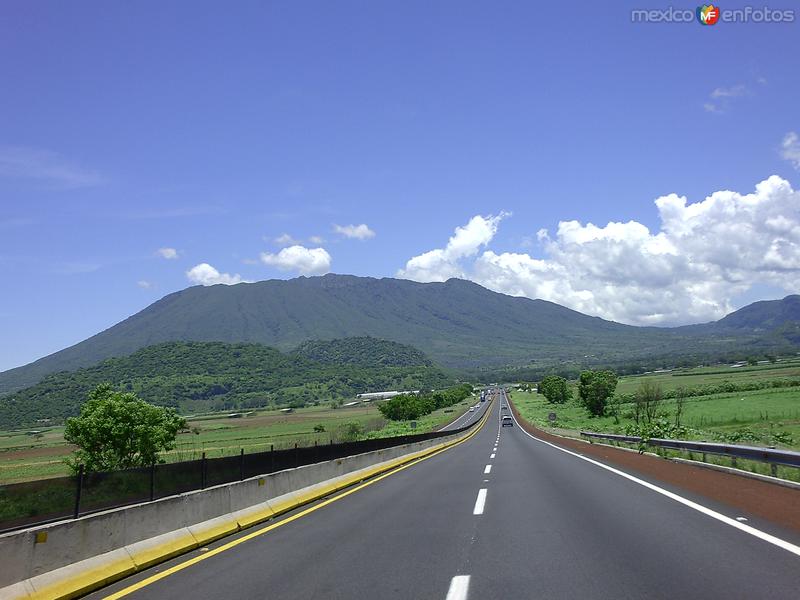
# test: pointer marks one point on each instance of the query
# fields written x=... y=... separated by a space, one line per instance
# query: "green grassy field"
x=670 y=380
x=26 y=456
x=765 y=417
x=762 y=412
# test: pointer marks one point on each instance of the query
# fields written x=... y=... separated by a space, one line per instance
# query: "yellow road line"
x=153 y=578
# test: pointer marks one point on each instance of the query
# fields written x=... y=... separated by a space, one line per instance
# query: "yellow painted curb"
x=214 y=529
x=72 y=586
x=149 y=552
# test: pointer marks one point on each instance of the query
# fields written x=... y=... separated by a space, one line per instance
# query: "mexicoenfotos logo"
x=708 y=15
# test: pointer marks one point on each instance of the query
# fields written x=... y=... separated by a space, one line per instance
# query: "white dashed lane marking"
x=459 y=588
x=480 y=502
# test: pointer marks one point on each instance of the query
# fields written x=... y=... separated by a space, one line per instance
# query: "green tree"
x=555 y=389
x=117 y=430
x=408 y=407
x=648 y=400
x=594 y=390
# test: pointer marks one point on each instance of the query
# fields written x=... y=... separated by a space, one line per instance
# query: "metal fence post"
x=316 y=452
x=241 y=465
x=272 y=458
x=78 y=490
x=152 y=482
x=203 y=472
x=296 y=456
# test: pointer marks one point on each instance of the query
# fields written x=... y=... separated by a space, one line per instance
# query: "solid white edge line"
x=480 y=502
x=487 y=469
x=762 y=535
x=459 y=588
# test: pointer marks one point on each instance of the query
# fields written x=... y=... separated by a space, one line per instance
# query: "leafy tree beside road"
x=594 y=390
x=117 y=430
x=407 y=407
x=555 y=389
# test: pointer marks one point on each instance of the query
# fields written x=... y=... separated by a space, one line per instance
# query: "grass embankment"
x=765 y=417
x=25 y=456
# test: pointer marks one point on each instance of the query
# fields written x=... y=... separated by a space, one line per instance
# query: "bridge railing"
x=47 y=500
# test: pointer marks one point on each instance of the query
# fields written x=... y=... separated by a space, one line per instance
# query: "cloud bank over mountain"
x=703 y=255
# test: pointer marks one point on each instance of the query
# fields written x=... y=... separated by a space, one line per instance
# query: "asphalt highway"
x=467 y=418
x=500 y=516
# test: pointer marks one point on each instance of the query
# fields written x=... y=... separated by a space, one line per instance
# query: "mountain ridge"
x=457 y=323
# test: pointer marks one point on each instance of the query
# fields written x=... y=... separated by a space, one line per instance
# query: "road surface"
x=502 y=516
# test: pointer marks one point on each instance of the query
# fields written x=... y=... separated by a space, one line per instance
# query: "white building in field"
x=383 y=395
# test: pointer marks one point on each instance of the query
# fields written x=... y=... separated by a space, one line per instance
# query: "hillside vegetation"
x=206 y=376
x=456 y=323
x=362 y=351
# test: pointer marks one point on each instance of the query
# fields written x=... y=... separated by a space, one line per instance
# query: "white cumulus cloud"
x=285 y=240
x=168 y=253
x=443 y=263
x=358 y=232
x=144 y=284
x=703 y=255
x=306 y=261
x=205 y=274
x=790 y=149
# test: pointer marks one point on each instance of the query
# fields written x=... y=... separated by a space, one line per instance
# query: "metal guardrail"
x=772 y=456
x=612 y=436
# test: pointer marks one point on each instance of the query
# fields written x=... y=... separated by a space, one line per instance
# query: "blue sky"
x=213 y=129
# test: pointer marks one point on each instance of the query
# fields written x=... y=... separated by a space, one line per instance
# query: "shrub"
x=351 y=432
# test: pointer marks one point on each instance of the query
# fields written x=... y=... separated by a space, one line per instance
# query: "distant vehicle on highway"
x=504 y=407
x=507 y=421
x=471 y=409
